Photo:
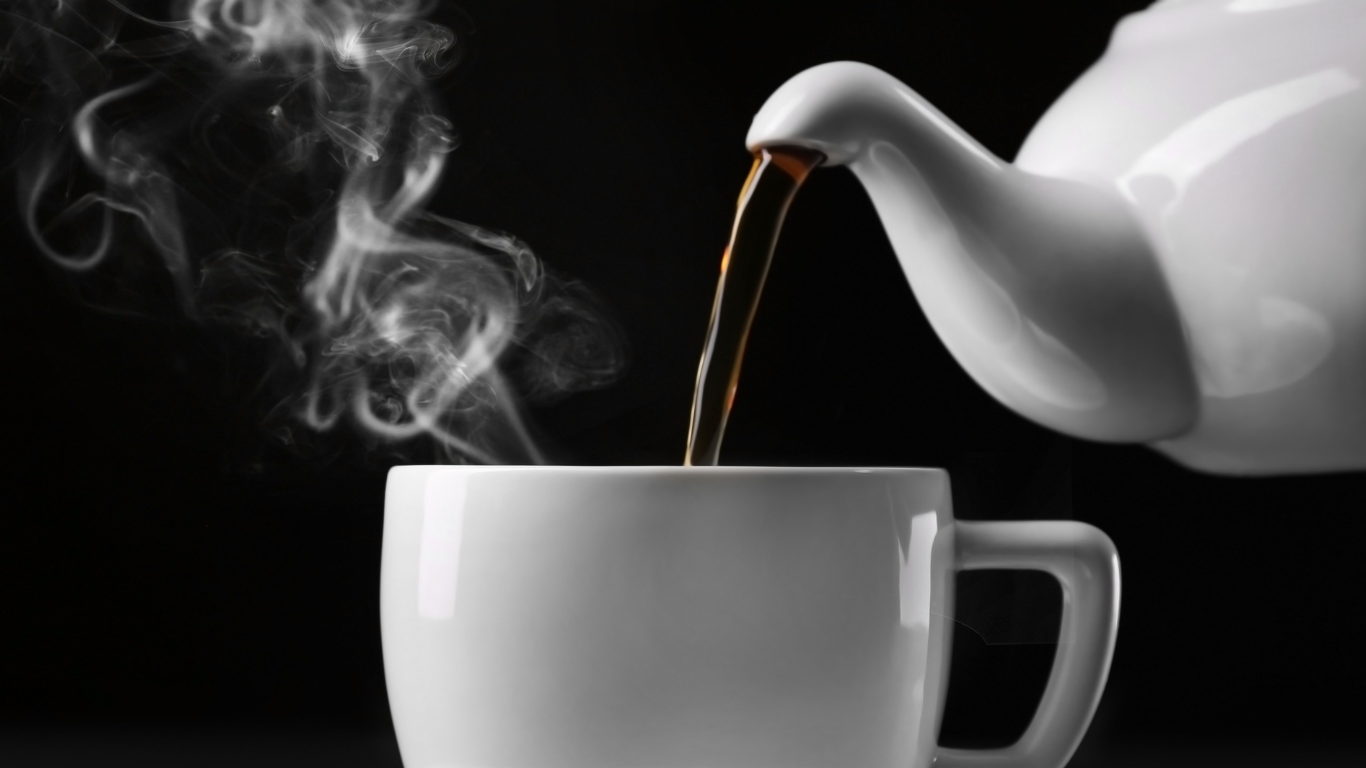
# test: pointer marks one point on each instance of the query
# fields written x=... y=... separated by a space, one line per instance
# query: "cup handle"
x=1083 y=559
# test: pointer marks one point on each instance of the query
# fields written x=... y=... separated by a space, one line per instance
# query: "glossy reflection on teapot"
x=1177 y=255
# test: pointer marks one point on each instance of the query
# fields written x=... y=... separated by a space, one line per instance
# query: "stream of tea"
x=773 y=181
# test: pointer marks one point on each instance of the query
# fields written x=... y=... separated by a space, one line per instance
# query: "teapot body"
x=1236 y=131
x=1178 y=254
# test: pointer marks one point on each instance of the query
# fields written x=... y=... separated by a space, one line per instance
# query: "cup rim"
x=674 y=469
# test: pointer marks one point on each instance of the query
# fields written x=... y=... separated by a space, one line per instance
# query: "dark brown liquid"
x=777 y=174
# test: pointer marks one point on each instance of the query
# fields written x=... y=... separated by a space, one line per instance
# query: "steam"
x=275 y=158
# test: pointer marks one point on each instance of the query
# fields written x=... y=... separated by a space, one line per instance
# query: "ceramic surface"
x=680 y=617
x=1178 y=254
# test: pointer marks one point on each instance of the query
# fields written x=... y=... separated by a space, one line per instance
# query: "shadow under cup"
x=675 y=617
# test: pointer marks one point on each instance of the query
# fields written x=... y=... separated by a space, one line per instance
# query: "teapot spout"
x=1045 y=290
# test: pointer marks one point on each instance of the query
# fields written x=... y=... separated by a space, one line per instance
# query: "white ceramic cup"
x=717 y=617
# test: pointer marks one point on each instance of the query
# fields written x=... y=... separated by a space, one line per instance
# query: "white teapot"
x=1177 y=255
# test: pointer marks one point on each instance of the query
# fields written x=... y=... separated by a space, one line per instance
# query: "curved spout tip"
x=841 y=108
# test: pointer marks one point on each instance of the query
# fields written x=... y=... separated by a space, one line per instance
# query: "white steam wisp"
x=275 y=157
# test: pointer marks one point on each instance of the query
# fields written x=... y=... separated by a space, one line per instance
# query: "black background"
x=164 y=571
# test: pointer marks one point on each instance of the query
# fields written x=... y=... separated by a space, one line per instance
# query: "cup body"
x=666 y=617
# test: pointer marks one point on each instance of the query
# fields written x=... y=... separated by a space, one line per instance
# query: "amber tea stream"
x=773 y=181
